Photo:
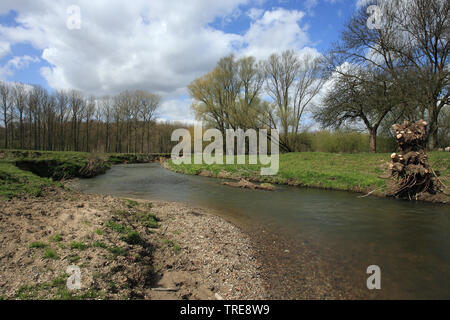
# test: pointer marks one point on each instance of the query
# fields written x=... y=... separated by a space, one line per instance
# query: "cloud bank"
x=159 y=46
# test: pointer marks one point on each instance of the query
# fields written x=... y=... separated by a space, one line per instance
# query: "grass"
x=55 y=289
x=117 y=251
x=117 y=227
x=15 y=182
x=147 y=219
x=130 y=203
x=56 y=165
x=99 y=244
x=175 y=247
x=38 y=244
x=50 y=254
x=350 y=172
x=56 y=238
x=78 y=246
x=74 y=259
x=29 y=173
x=132 y=237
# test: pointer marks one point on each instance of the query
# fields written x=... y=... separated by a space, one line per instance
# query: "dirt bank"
x=125 y=250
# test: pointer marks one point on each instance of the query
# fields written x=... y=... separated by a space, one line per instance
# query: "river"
x=314 y=244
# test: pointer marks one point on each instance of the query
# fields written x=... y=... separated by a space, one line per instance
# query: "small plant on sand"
x=175 y=247
x=99 y=244
x=50 y=254
x=74 y=259
x=56 y=238
x=132 y=238
x=148 y=205
x=117 y=251
x=130 y=203
x=99 y=231
x=117 y=227
x=120 y=213
x=38 y=244
x=148 y=219
x=78 y=245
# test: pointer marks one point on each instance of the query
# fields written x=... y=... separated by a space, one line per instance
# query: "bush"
x=340 y=141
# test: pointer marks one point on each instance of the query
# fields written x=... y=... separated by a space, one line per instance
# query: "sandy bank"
x=125 y=249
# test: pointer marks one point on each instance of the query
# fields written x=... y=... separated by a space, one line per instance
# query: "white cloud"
x=275 y=30
x=5 y=49
x=15 y=63
x=255 y=13
x=177 y=110
x=160 y=46
x=363 y=3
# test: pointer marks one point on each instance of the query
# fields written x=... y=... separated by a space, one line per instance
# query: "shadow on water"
x=314 y=243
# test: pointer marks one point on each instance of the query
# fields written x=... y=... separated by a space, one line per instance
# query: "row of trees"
x=33 y=118
x=230 y=96
x=373 y=77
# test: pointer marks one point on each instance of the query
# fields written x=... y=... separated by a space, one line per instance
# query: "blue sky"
x=160 y=46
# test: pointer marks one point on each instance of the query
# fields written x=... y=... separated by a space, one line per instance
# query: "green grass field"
x=350 y=172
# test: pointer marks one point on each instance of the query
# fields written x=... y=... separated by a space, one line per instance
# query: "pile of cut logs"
x=410 y=167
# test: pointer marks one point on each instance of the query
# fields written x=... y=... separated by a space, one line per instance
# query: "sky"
x=155 y=45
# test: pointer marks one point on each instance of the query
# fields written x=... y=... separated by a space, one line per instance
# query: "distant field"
x=350 y=172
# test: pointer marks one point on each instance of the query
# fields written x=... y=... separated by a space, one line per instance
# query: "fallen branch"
x=370 y=193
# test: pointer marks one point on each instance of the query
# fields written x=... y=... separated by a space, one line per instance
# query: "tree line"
x=66 y=120
x=373 y=77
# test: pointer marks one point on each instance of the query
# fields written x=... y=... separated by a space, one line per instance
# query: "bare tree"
x=351 y=99
x=148 y=106
x=20 y=96
x=89 y=111
x=292 y=83
x=310 y=81
x=281 y=71
x=76 y=109
x=106 y=108
x=413 y=37
x=5 y=96
x=62 y=102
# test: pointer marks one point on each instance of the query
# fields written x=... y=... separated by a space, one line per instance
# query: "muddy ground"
x=125 y=249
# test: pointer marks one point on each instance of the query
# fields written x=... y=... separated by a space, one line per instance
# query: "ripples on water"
x=331 y=236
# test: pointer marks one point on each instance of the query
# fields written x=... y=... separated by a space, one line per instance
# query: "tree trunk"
x=432 y=138
x=373 y=140
x=6 y=133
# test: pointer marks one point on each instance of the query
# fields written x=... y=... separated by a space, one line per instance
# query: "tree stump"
x=410 y=167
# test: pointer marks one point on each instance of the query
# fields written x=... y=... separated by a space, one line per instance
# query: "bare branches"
x=67 y=120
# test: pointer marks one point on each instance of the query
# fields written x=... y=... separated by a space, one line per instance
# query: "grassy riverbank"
x=360 y=172
x=25 y=172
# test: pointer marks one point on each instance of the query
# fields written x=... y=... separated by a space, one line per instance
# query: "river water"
x=313 y=243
